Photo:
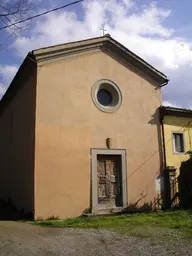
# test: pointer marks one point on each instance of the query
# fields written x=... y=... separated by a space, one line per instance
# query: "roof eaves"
x=48 y=48
x=67 y=46
x=44 y=54
x=139 y=59
x=173 y=111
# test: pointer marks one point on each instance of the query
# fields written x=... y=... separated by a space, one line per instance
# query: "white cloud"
x=118 y=17
x=141 y=29
x=2 y=89
x=168 y=103
x=7 y=73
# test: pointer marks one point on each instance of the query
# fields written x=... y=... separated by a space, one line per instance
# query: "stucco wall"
x=177 y=124
x=68 y=125
x=17 y=127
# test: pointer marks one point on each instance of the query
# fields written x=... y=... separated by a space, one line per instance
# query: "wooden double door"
x=109 y=181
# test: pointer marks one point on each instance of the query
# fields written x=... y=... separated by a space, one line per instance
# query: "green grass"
x=141 y=224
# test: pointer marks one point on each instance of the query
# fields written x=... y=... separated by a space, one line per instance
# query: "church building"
x=80 y=130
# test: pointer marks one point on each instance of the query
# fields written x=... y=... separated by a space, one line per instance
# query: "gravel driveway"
x=25 y=239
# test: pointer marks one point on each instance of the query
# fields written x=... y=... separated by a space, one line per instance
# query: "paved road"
x=25 y=239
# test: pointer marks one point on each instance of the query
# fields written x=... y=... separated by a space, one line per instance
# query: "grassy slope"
x=142 y=224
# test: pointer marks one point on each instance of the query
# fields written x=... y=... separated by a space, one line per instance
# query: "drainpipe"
x=189 y=134
x=163 y=143
x=163 y=187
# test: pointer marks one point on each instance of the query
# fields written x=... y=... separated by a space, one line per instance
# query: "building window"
x=106 y=95
x=178 y=142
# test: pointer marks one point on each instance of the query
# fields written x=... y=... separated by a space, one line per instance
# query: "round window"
x=106 y=95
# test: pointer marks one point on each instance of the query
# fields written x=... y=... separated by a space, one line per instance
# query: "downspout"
x=163 y=184
x=163 y=142
x=162 y=113
x=189 y=135
x=162 y=127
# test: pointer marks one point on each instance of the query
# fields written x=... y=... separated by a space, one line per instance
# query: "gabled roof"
x=172 y=111
x=105 y=43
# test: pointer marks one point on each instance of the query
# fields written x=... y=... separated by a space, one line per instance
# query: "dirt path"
x=25 y=239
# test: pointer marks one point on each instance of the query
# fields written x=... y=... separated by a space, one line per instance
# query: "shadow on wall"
x=159 y=149
x=178 y=191
x=185 y=184
x=171 y=197
x=152 y=206
x=17 y=140
x=155 y=120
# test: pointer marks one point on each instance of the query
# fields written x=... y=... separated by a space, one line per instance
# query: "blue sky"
x=158 y=31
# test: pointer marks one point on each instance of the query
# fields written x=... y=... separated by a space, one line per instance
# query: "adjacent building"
x=177 y=135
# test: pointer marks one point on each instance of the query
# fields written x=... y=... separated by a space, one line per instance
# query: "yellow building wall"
x=177 y=124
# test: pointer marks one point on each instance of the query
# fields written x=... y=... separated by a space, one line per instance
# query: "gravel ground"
x=25 y=239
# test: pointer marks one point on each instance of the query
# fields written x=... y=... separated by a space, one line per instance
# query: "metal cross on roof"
x=103 y=29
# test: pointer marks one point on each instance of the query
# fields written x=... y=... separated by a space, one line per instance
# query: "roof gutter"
x=165 y=83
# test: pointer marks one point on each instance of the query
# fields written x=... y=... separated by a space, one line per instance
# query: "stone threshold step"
x=105 y=212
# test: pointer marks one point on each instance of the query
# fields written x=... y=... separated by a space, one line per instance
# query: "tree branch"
x=20 y=7
x=13 y=12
